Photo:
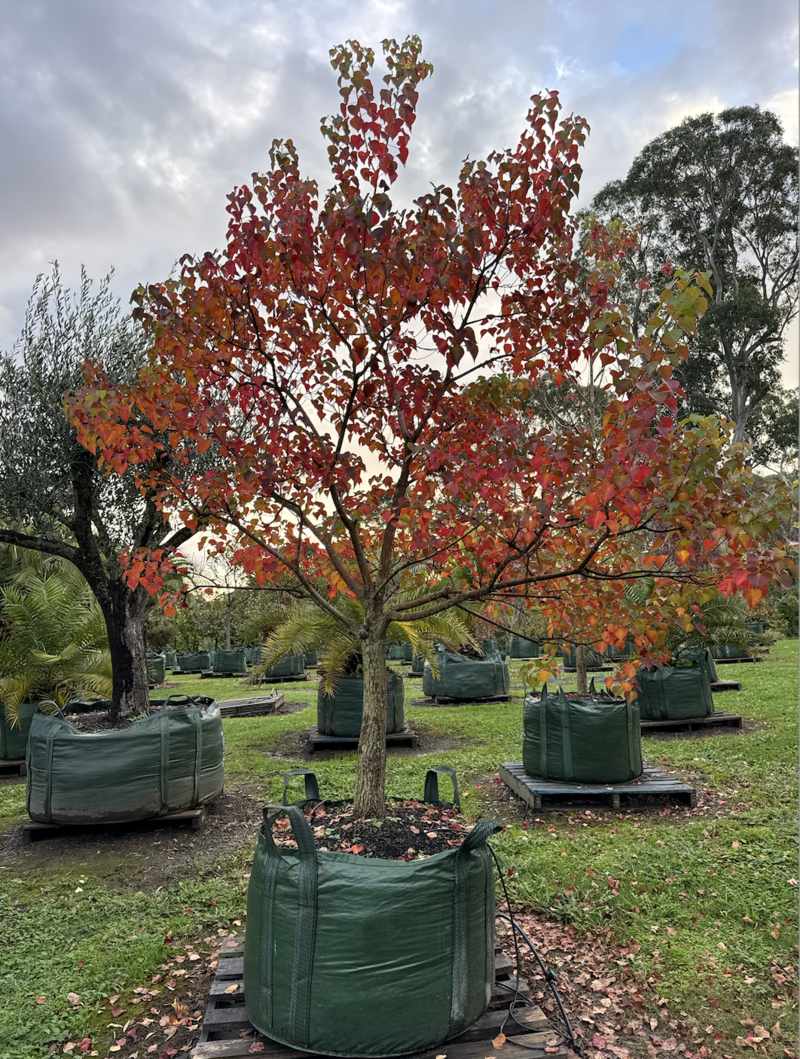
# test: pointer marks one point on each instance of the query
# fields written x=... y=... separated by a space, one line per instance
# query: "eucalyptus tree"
x=53 y=497
x=718 y=193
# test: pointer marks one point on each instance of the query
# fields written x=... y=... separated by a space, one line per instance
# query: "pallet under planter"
x=590 y=669
x=226 y=1030
x=447 y=700
x=726 y=685
x=717 y=719
x=32 y=830
x=12 y=766
x=316 y=741
x=544 y=795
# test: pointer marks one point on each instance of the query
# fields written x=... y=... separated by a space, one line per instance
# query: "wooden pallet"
x=406 y=738
x=718 y=719
x=209 y=674
x=11 y=767
x=446 y=700
x=258 y=706
x=32 y=831
x=545 y=795
x=726 y=685
x=227 y=1031
x=735 y=661
x=285 y=680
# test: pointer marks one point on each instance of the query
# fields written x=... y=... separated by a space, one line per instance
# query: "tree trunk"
x=228 y=605
x=580 y=669
x=124 y=612
x=370 y=799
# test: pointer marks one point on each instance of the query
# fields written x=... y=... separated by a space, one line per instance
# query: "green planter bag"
x=290 y=666
x=252 y=655
x=396 y=652
x=417 y=665
x=522 y=648
x=466 y=678
x=569 y=654
x=730 y=651
x=418 y=936
x=230 y=663
x=705 y=660
x=310 y=658
x=196 y=663
x=171 y=659
x=14 y=737
x=163 y=763
x=156 y=668
x=341 y=713
x=581 y=741
x=675 y=692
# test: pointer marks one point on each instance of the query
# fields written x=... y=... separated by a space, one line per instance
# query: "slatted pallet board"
x=258 y=706
x=590 y=669
x=227 y=1032
x=32 y=831
x=317 y=741
x=17 y=766
x=717 y=719
x=735 y=661
x=446 y=700
x=726 y=685
x=289 y=679
x=547 y=795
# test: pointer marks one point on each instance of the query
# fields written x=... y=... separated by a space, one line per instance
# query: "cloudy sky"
x=124 y=124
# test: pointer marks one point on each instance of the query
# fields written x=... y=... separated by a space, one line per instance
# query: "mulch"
x=410 y=831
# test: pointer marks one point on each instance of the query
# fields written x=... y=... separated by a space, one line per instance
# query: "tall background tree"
x=53 y=497
x=348 y=333
x=720 y=193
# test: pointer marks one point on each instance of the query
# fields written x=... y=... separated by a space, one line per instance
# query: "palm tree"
x=53 y=638
x=307 y=627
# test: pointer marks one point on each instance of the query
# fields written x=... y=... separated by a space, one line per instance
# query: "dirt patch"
x=294 y=746
x=141 y=855
x=410 y=831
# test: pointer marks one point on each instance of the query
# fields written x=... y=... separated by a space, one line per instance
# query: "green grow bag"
x=341 y=713
x=252 y=654
x=166 y=762
x=14 y=737
x=400 y=652
x=417 y=665
x=353 y=957
x=729 y=650
x=675 y=692
x=156 y=668
x=705 y=660
x=581 y=741
x=171 y=659
x=230 y=663
x=522 y=648
x=196 y=663
x=754 y=625
x=311 y=658
x=466 y=678
x=290 y=666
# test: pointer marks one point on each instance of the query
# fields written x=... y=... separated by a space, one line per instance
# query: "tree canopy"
x=719 y=193
x=373 y=356
x=53 y=496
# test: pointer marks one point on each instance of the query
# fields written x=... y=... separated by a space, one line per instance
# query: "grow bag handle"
x=478 y=835
x=187 y=699
x=50 y=702
x=431 y=793
x=301 y=830
x=311 y=786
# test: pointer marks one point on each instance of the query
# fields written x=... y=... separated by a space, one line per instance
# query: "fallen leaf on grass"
x=117 y=1011
x=40 y=999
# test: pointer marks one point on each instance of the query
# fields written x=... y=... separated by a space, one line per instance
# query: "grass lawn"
x=671 y=930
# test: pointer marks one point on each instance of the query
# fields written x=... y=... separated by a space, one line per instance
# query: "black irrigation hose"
x=549 y=976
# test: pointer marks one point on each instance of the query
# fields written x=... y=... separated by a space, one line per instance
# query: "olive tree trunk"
x=124 y=613
x=370 y=798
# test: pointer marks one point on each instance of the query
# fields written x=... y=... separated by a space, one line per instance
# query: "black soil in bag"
x=341 y=713
x=353 y=957
x=675 y=693
x=581 y=741
x=171 y=760
x=466 y=678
